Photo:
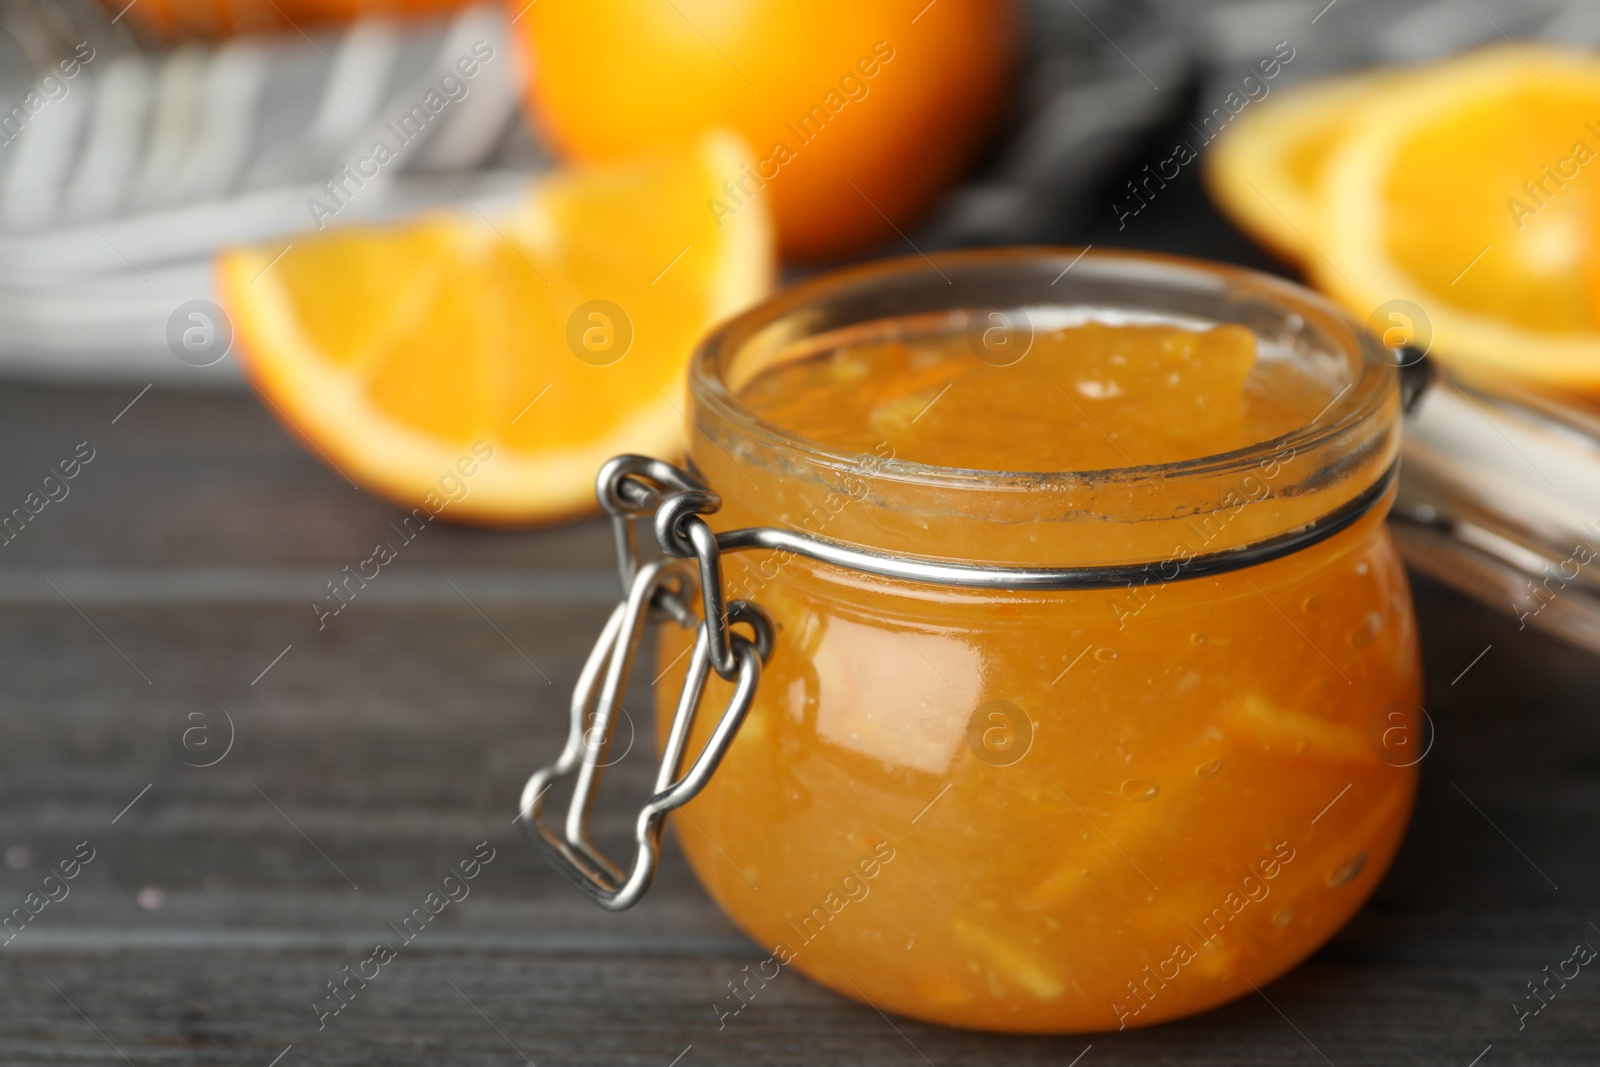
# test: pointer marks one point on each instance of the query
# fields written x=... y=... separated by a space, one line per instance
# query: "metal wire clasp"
x=633 y=488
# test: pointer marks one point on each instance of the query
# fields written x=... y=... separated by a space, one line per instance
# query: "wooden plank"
x=212 y=480
x=392 y=764
x=449 y=1008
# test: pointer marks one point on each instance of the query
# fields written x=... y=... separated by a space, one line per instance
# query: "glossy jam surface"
x=1063 y=811
x=1085 y=397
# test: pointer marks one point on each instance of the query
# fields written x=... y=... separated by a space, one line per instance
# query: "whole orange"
x=222 y=18
x=859 y=112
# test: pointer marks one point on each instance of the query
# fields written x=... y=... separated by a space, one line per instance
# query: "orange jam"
x=1071 y=810
x=1086 y=397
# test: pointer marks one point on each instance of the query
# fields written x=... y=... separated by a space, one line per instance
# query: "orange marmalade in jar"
x=1090 y=689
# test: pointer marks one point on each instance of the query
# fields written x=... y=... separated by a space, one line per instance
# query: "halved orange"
x=1473 y=191
x=1266 y=169
x=551 y=338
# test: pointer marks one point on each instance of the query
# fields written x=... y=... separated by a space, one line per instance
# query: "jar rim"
x=1374 y=381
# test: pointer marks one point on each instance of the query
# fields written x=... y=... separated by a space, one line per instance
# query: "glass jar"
x=1057 y=810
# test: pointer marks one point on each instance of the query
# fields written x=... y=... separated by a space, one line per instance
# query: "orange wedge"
x=1265 y=170
x=485 y=366
x=1472 y=190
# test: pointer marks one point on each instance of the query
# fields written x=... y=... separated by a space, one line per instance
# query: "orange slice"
x=486 y=367
x=1473 y=192
x=1266 y=169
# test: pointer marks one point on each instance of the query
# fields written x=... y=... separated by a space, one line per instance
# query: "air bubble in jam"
x=1311 y=603
x=1347 y=871
x=1363 y=634
x=1105 y=655
x=1206 y=770
x=1284 y=917
x=1197 y=639
x=1140 y=789
x=843 y=370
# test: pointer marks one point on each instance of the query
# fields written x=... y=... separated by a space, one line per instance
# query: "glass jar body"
x=1072 y=810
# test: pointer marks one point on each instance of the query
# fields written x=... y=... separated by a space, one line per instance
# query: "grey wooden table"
x=371 y=756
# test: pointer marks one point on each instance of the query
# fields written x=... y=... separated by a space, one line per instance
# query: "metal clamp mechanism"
x=632 y=488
